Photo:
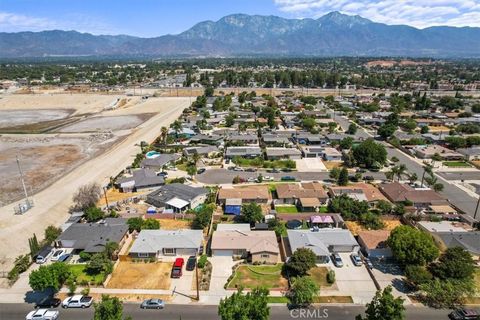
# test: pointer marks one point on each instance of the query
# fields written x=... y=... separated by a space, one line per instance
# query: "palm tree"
x=177 y=127
x=401 y=169
x=390 y=174
x=413 y=177
x=436 y=157
x=163 y=135
x=427 y=169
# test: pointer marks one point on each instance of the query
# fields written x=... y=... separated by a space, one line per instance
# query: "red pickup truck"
x=177 y=268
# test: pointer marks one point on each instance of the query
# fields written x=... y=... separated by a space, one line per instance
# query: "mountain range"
x=236 y=35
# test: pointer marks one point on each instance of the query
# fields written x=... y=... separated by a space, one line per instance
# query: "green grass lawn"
x=182 y=166
x=286 y=209
x=78 y=271
x=456 y=164
x=250 y=276
x=333 y=299
x=319 y=275
x=282 y=299
x=323 y=209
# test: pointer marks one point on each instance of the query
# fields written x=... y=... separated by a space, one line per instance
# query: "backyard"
x=286 y=209
x=140 y=275
x=268 y=276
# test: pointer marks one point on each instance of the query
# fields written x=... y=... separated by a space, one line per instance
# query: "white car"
x=268 y=178
x=238 y=169
x=42 y=314
x=77 y=301
x=57 y=254
x=251 y=179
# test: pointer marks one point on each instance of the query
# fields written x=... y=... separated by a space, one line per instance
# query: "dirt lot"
x=355 y=227
x=133 y=275
x=10 y=118
x=171 y=224
x=43 y=159
x=106 y=123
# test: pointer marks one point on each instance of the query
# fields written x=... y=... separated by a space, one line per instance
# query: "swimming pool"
x=152 y=154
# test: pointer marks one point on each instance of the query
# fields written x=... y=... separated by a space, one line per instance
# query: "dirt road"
x=51 y=204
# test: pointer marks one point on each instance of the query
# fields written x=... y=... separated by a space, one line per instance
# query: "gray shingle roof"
x=143 y=178
x=161 y=160
x=175 y=190
x=152 y=241
x=320 y=242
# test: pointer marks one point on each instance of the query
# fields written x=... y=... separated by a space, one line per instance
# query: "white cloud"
x=418 y=13
x=12 y=22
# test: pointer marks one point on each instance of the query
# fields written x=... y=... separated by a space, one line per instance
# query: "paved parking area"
x=310 y=165
x=221 y=271
x=353 y=281
x=390 y=274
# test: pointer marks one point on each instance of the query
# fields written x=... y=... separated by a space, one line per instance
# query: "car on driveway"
x=177 y=268
x=57 y=254
x=64 y=257
x=42 y=314
x=464 y=314
x=357 y=261
x=48 y=302
x=337 y=260
x=368 y=263
x=152 y=304
x=191 y=263
x=201 y=170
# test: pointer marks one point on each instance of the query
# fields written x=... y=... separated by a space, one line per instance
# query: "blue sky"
x=157 y=17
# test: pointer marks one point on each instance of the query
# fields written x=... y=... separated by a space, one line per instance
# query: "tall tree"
x=384 y=307
x=109 y=308
x=239 y=306
x=303 y=291
x=302 y=260
x=412 y=246
x=252 y=213
x=343 y=177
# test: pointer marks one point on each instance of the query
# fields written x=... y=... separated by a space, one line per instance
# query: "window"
x=266 y=256
x=238 y=252
x=169 y=251
x=143 y=255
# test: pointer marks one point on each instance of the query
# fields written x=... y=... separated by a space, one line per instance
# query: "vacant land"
x=109 y=123
x=137 y=275
x=11 y=118
x=171 y=224
x=355 y=227
x=268 y=276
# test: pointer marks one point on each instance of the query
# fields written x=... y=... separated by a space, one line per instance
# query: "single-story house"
x=469 y=241
x=159 y=243
x=275 y=140
x=157 y=163
x=213 y=139
x=283 y=153
x=243 y=138
x=244 y=152
x=177 y=197
x=421 y=198
x=201 y=150
x=92 y=237
x=308 y=138
x=257 y=194
x=233 y=227
x=259 y=246
x=312 y=151
x=323 y=242
x=331 y=154
x=374 y=243
x=470 y=153
x=140 y=179
x=360 y=192
x=427 y=152
x=292 y=193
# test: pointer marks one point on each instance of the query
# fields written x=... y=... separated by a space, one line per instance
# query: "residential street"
x=193 y=312
x=455 y=195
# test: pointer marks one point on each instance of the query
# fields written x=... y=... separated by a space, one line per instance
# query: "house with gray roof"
x=140 y=179
x=470 y=241
x=157 y=163
x=470 y=153
x=283 y=153
x=275 y=140
x=323 y=242
x=243 y=138
x=200 y=150
x=161 y=243
x=177 y=197
x=213 y=139
x=92 y=237
x=245 y=152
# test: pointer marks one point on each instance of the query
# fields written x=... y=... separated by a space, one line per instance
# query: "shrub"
x=331 y=276
x=202 y=261
x=85 y=291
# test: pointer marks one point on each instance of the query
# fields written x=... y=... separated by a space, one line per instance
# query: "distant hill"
x=334 y=34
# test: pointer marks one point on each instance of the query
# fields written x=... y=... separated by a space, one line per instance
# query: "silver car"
x=337 y=260
x=152 y=304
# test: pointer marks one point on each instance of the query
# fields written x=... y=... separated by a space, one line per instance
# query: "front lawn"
x=319 y=275
x=286 y=209
x=281 y=299
x=250 y=276
x=261 y=163
x=81 y=276
x=456 y=164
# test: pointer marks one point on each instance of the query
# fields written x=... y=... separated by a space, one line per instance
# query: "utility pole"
x=105 y=194
x=198 y=290
x=476 y=209
x=23 y=181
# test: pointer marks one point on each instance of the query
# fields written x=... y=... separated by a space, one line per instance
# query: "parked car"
x=251 y=179
x=191 y=263
x=177 y=268
x=238 y=169
x=360 y=170
x=274 y=170
x=337 y=260
x=464 y=314
x=287 y=170
x=368 y=178
x=77 y=301
x=152 y=304
x=57 y=254
x=251 y=170
x=268 y=178
x=163 y=174
x=368 y=263
x=201 y=170
x=357 y=261
x=64 y=257
x=48 y=302
x=43 y=255
x=227 y=161
x=42 y=314
x=288 y=178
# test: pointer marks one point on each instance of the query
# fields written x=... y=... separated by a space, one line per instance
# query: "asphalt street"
x=192 y=312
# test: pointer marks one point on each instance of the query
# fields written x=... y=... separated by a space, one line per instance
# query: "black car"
x=201 y=170
x=191 y=263
x=251 y=170
x=48 y=302
x=368 y=178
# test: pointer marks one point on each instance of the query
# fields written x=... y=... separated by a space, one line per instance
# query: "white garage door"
x=222 y=253
x=186 y=252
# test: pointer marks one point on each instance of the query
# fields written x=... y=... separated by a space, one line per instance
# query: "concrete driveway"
x=353 y=281
x=221 y=271
x=390 y=274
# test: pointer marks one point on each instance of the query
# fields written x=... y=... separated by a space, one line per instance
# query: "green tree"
x=352 y=129
x=424 y=130
x=417 y=275
x=454 y=263
x=209 y=91
x=440 y=293
x=135 y=224
x=386 y=130
x=110 y=248
x=52 y=233
x=99 y=263
x=412 y=246
x=52 y=276
x=150 y=224
x=202 y=217
x=384 y=306
x=302 y=260
x=369 y=153
x=334 y=173
x=384 y=206
x=239 y=306
x=343 y=177
x=191 y=170
x=308 y=123
x=346 y=143
x=93 y=214
x=110 y=308
x=303 y=291
x=252 y=213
